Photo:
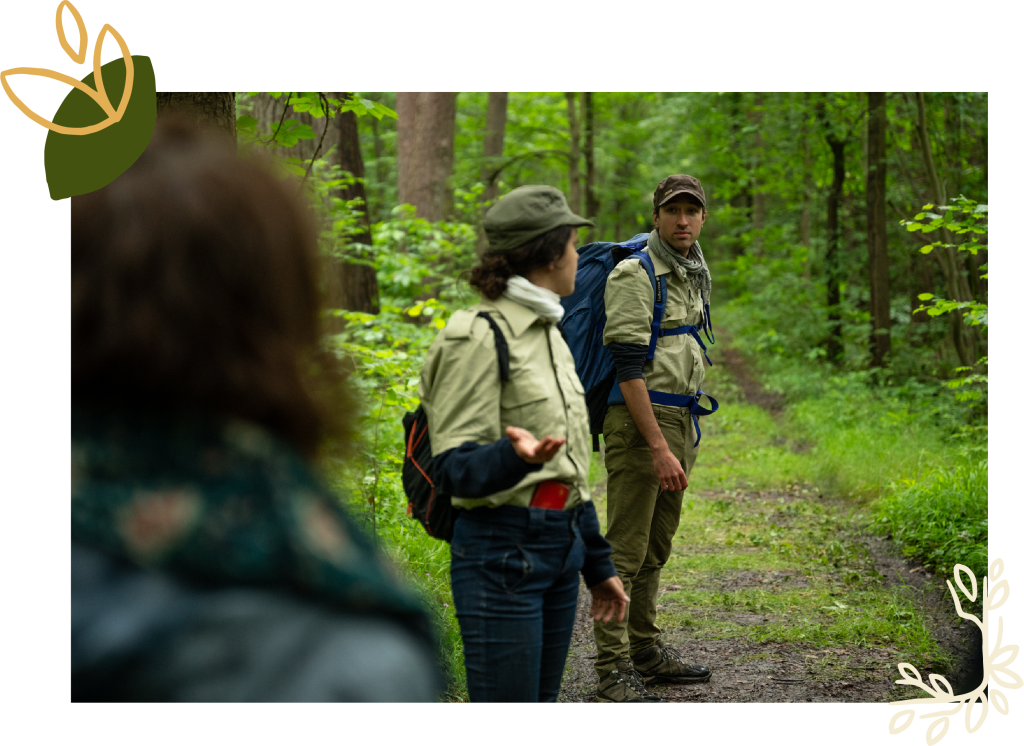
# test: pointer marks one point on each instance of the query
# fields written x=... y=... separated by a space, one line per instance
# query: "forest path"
x=783 y=594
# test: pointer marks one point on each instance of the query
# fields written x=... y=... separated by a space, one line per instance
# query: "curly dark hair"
x=194 y=286
x=491 y=275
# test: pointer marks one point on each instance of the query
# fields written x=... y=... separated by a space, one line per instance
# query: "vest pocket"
x=523 y=390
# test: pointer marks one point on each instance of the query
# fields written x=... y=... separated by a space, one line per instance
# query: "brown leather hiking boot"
x=624 y=684
x=661 y=664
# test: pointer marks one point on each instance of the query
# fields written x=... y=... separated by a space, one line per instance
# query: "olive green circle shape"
x=78 y=164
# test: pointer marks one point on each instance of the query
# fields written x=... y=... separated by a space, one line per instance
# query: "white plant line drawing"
x=996 y=668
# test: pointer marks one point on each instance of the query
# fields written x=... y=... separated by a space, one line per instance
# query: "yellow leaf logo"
x=99 y=94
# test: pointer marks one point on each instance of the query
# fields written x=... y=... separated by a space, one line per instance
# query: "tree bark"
x=407 y=107
x=588 y=155
x=428 y=150
x=755 y=117
x=494 y=141
x=358 y=286
x=878 y=251
x=834 y=344
x=808 y=182
x=574 y=154
x=215 y=110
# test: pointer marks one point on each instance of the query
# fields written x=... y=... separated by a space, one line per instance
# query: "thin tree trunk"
x=574 y=154
x=211 y=109
x=947 y=257
x=743 y=200
x=588 y=155
x=808 y=182
x=834 y=344
x=494 y=141
x=878 y=251
x=755 y=117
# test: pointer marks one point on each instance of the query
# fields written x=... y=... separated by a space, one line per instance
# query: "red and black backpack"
x=429 y=506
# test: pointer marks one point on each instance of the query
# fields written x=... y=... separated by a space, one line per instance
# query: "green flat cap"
x=526 y=213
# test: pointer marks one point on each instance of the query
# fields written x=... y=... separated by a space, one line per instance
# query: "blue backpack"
x=583 y=326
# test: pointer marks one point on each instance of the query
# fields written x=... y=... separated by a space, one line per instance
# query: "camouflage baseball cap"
x=526 y=213
x=677 y=184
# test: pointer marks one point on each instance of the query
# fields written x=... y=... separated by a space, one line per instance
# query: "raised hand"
x=531 y=450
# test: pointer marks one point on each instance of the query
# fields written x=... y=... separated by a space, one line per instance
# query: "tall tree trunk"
x=948 y=260
x=808 y=181
x=588 y=155
x=743 y=200
x=574 y=154
x=210 y=109
x=834 y=344
x=358 y=286
x=878 y=251
x=407 y=106
x=755 y=116
x=494 y=141
x=428 y=152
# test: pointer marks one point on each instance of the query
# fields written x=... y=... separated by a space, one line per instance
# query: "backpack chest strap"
x=693 y=331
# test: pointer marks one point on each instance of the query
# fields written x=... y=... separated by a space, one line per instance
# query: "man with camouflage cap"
x=650 y=447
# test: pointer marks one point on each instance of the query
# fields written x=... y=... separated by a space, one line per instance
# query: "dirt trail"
x=725 y=636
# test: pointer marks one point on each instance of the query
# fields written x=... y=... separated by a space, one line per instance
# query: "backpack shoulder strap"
x=660 y=293
x=500 y=344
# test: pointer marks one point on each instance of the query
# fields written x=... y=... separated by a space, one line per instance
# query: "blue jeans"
x=515 y=578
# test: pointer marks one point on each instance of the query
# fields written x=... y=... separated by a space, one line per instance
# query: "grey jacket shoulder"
x=143 y=635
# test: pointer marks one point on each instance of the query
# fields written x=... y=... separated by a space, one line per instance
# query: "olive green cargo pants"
x=642 y=519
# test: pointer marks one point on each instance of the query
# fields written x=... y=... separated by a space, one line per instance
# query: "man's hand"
x=670 y=472
x=608 y=599
x=666 y=466
x=531 y=450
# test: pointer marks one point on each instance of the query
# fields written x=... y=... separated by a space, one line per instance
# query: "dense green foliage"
x=942 y=519
x=911 y=435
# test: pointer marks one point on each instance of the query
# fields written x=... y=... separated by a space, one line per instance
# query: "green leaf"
x=925 y=296
x=78 y=164
x=919 y=216
x=927 y=207
x=927 y=249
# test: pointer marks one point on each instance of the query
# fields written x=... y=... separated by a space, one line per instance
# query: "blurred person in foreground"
x=210 y=562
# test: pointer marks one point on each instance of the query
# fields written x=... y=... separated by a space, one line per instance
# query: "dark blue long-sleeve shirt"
x=473 y=470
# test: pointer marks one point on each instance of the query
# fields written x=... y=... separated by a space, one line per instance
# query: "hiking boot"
x=661 y=664
x=624 y=684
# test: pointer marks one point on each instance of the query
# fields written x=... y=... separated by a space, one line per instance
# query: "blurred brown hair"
x=194 y=285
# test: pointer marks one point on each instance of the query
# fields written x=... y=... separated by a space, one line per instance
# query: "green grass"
x=942 y=519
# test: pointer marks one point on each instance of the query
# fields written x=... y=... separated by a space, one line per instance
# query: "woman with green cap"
x=515 y=455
